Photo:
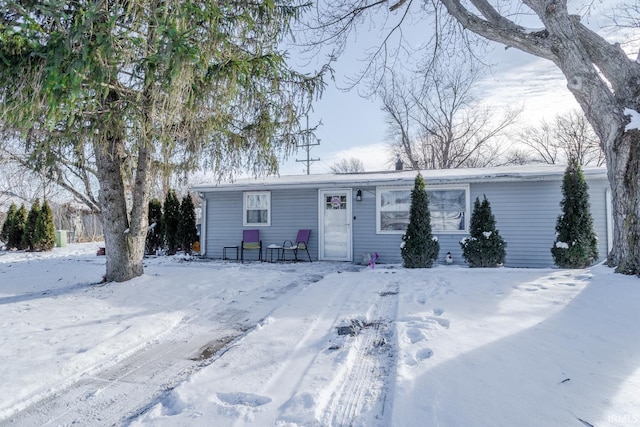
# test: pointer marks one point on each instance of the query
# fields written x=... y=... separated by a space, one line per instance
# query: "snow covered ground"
x=202 y=343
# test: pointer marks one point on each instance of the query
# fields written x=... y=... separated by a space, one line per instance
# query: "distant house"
x=354 y=214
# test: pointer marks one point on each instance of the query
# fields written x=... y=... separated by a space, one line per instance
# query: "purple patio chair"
x=250 y=241
x=302 y=243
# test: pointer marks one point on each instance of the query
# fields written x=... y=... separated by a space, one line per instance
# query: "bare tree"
x=540 y=144
x=397 y=103
x=579 y=141
x=350 y=165
x=602 y=77
x=23 y=183
x=517 y=156
x=438 y=124
x=627 y=14
x=569 y=136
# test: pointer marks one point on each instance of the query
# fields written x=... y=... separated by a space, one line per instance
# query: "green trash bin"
x=61 y=238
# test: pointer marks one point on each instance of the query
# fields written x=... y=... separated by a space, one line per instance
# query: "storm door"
x=335 y=225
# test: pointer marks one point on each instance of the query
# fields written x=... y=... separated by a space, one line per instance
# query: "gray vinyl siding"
x=365 y=239
x=291 y=210
x=526 y=214
x=525 y=210
x=598 y=200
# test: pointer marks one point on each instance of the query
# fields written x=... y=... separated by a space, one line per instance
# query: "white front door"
x=335 y=225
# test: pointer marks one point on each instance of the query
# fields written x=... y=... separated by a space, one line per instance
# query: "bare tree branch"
x=439 y=125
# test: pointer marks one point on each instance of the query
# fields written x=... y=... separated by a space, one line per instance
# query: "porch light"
x=359 y=195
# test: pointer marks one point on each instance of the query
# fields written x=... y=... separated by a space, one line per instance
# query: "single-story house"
x=354 y=214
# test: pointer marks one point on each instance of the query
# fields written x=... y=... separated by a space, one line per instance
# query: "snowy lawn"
x=321 y=344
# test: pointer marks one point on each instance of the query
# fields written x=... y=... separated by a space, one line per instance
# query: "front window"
x=393 y=209
x=257 y=208
x=448 y=207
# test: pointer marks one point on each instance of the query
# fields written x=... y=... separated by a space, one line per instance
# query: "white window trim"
x=467 y=214
x=244 y=208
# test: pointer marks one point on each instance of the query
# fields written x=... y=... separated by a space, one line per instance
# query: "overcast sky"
x=353 y=126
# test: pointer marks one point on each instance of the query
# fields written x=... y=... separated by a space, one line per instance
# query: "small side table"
x=224 y=251
x=270 y=250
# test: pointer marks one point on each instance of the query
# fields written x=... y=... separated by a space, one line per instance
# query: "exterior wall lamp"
x=359 y=195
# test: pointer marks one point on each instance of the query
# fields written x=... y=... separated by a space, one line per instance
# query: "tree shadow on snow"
x=568 y=369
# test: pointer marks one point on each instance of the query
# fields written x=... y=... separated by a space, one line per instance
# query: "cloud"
x=537 y=86
x=375 y=157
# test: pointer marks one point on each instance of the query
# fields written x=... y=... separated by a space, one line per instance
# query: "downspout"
x=203 y=224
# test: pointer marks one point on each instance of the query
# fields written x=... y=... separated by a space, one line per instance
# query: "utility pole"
x=307 y=146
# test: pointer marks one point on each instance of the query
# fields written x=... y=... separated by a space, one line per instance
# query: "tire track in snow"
x=364 y=384
x=113 y=394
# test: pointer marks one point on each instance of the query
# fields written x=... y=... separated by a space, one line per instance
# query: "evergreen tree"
x=30 y=226
x=171 y=217
x=138 y=83
x=44 y=234
x=576 y=244
x=4 y=232
x=7 y=227
x=155 y=235
x=20 y=224
x=485 y=247
x=419 y=248
x=187 y=231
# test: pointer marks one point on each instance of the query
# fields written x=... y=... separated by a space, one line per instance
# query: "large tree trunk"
x=125 y=230
x=623 y=158
x=124 y=259
x=124 y=236
x=604 y=81
x=578 y=52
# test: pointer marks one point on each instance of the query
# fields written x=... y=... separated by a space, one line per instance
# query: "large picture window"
x=393 y=205
x=449 y=208
x=257 y=208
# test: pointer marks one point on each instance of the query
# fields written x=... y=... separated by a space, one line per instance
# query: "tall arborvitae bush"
x=576 y=244
x=6 y=225
x=155 y=235
x=44 y=234
x=20 y=225
x=485 y=247
x=30 y=226
x=13 y=227
x=419 y=248
x=171 y=216
x=187 y=231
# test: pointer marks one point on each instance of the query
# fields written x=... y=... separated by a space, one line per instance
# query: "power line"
x=307 y=146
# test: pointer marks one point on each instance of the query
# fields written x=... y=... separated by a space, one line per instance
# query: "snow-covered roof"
x=536 y=172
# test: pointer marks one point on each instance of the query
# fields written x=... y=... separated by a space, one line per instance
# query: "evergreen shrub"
x=44 y=234
x=155 y=235
x=187 y=231
x=419 y=247
x=171 y=216
x=30 y=226
x=485 y=247
x=576 y=243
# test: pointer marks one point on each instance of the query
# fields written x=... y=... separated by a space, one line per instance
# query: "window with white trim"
x=392 y=209
x=256 y=207
x=448 y=206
